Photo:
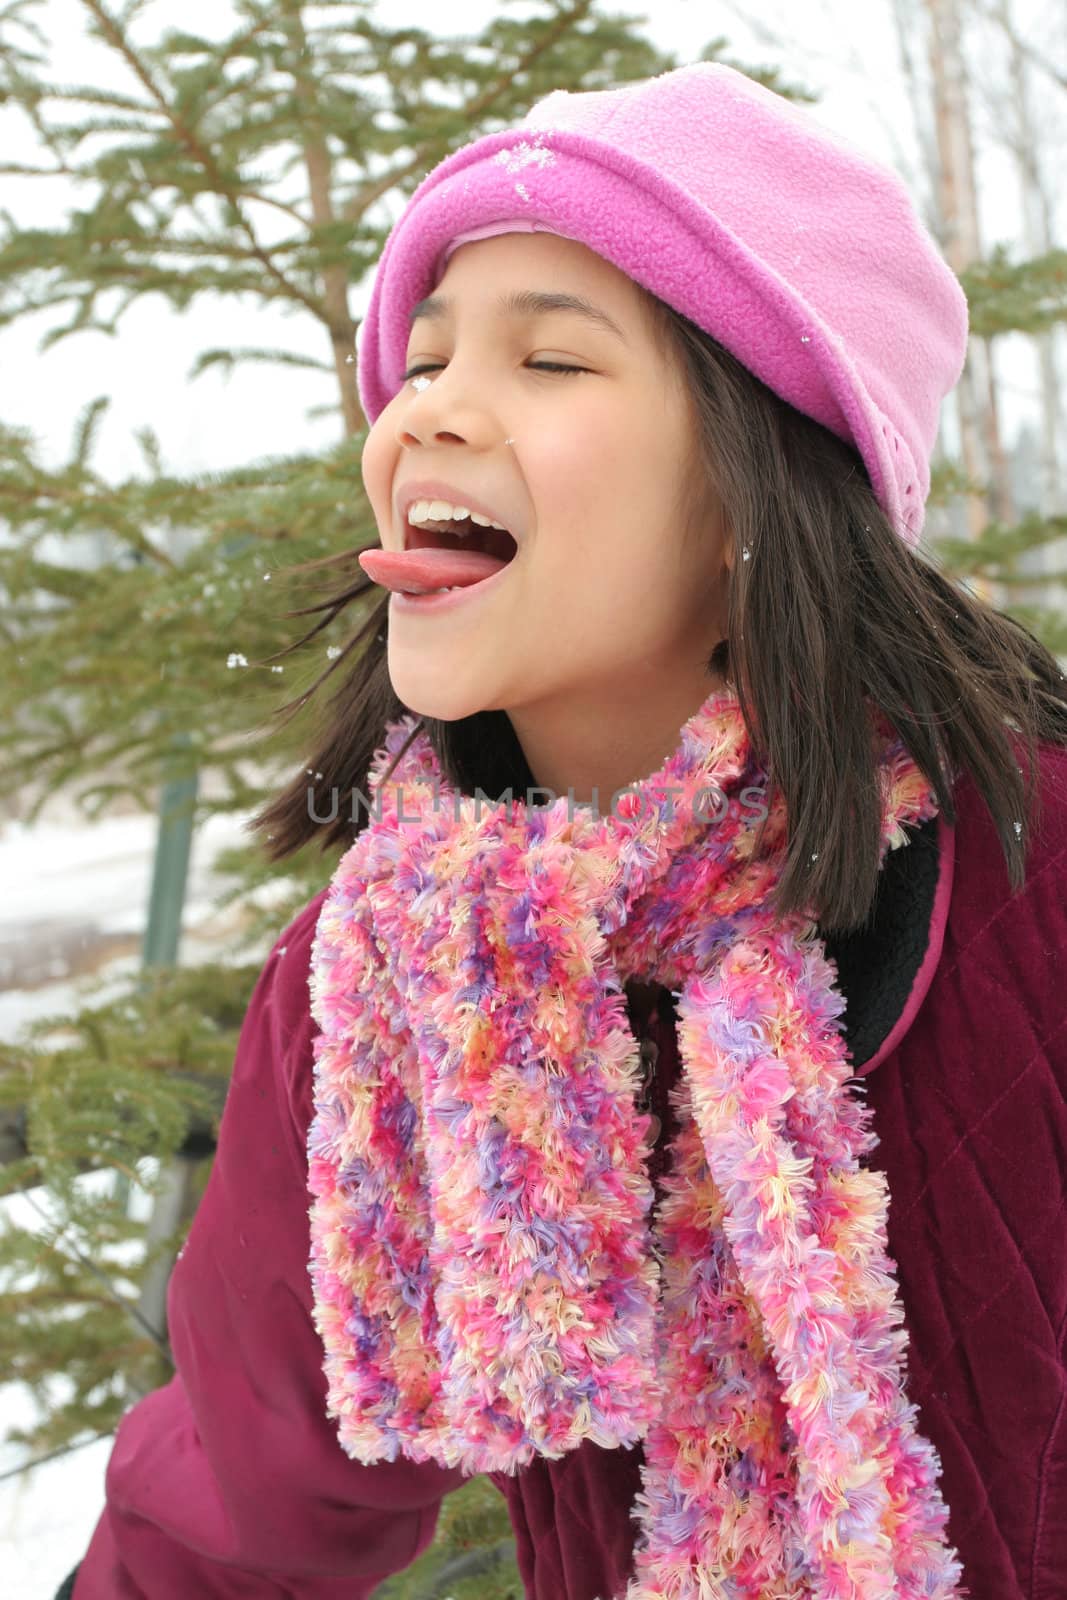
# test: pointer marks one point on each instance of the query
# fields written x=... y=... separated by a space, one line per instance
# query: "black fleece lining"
x=877 y=964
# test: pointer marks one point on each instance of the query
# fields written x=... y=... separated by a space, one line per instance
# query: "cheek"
x=584 y=479
x=377 y=465
x=602 y=517
x=610 y=579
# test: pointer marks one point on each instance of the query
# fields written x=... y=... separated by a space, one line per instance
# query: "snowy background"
x=74 y=895
x=72 y=911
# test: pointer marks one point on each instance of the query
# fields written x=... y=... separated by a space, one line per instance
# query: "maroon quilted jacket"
x=229 y=1482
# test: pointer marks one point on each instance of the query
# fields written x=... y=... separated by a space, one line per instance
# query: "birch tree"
x=1021 y=129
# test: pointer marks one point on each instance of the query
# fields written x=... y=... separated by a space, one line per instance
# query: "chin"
x=425 y=694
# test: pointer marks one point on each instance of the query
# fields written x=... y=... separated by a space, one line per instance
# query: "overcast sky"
x=846 y=54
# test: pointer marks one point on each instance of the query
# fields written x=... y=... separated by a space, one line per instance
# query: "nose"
x=425 y=435
x=445 y=413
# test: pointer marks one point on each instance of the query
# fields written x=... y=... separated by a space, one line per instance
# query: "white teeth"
x=442 y=511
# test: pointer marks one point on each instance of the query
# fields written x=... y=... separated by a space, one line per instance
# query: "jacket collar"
x=886 y=967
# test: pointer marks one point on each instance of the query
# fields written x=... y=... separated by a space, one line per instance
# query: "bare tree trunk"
x=1016 y=118
x=1001 y=499
x=906 y=22
x=319 y=167
x=1023 y=139
x=980 y=446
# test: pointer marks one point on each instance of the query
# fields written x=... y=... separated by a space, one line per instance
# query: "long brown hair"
x=829 y=614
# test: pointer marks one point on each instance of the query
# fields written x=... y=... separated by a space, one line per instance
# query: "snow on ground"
x=47 y=1514
x=74 y=901
x=72 y=910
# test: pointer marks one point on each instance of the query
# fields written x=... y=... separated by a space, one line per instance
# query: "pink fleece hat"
x=800 y=254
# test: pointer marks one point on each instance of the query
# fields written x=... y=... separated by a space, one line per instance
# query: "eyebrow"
x=525 y=303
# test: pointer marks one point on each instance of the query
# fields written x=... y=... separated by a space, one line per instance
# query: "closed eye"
x=537 y=366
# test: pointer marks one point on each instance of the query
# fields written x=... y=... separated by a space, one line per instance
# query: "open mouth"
x=463 y=535
x=440 y=555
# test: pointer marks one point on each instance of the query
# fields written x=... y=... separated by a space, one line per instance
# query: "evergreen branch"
x=86 y=430
x=473 y=111
x=21 y=1169
x=105 y=1283
x=15 y=12
x=108 y=269
x=188 y=137
x=225 y=53
x=53 y=1455
x=1016 y=297
x=15 y=169
x=230 y=358
x=470 y=1564
x=85 y=94
x=342 y=329
x=148 y=442
x=177 y=285
x=53 y=576
x=1000 y=545
x=259 y=198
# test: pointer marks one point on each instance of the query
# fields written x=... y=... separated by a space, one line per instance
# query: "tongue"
x=418 y=571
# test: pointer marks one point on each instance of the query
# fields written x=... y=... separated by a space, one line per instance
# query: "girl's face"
x=596 y=637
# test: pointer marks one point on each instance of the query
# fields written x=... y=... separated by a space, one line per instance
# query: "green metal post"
x=170 y=871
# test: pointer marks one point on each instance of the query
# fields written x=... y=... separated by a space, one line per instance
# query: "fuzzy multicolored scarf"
x=491 y=1278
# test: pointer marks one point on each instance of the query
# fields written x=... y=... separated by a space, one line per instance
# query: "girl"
x=698 y=907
